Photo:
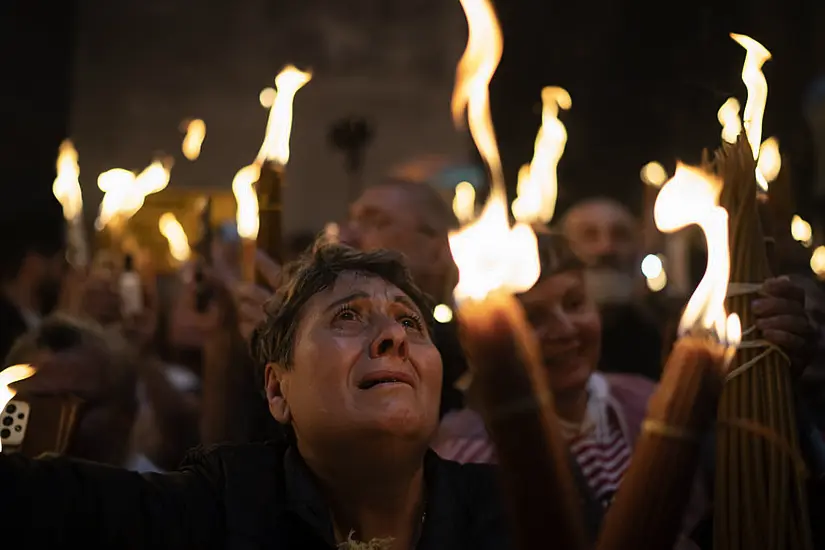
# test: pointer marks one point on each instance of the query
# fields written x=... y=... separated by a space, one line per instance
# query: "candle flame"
x=243 y=187
x=770 y=161
x=474 y=72
x=66 y=187
x=538 y=185
x=818 y=261
x=654 y=271
x=192 y=142
x=490 y=254
x=125 y=192
x=279 y=126
x=8 y=377
x=691 y=196
x=653 y=174
x=756 y=55
x=801 y=231
x=464 y=202
x=728 y=116
x=171 y=228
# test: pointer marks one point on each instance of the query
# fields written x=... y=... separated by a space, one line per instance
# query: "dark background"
x=646 y=78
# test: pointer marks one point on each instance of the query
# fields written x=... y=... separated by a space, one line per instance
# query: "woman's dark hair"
x=273 y=341
x=555 y=254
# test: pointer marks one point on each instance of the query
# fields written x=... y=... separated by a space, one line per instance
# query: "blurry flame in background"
x=653 y=174
x=538 y=184
x=442 y=313
x=171 y=228
x=490 y=254
x=691 y=196
x=66 y=187
x=125 y=192
x=8 y=377
x=243 y=187
x=756 y=55
x=279 y=126
x=801 y=231
x=770 y=160
x=267 y=97
x=192 y=142
x=464 y=202
x=654 y=271
x=728 y=116
x=818 y=261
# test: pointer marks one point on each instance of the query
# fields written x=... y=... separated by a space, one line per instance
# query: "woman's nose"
x=391 y=341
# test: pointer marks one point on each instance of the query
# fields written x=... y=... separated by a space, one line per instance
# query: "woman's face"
x=363 y=362
x=566 y=321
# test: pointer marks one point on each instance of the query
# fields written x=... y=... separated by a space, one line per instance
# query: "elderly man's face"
x=604 y=235
x=363 y=363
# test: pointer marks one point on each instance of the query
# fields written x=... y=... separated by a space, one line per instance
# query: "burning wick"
x=192 y=142
x=8 y=377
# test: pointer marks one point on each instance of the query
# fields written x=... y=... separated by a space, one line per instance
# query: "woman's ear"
x=276 y=389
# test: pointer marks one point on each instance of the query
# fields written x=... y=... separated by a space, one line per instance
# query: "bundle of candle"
x=761 y=499
x=760 y=495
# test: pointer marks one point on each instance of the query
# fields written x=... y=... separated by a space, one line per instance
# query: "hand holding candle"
x=9 y=376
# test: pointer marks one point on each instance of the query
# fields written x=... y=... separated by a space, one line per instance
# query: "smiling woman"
x=349 y=366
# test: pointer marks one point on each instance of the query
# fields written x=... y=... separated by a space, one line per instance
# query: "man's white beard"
x=609 y=286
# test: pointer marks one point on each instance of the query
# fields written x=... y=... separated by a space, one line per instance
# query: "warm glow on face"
x=171 y=228
x=8 y=377
x=691 y=196
x=243 y=187
x=192 y=142
x=279 y=126
x=653 y=174
x=66 y=187
x=728 y=117
x=538 y=185
x=491 y=255
x=801 y=231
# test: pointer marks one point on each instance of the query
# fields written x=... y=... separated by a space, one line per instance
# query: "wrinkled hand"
x=250 y=298
x=782 y=320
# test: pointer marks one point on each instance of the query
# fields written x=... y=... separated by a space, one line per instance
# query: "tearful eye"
x=409 y=321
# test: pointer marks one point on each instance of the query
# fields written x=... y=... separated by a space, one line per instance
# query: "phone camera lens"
x=5 y=433
x=21 y=416
x=8 y=420
x=11 y=408
x=18 y=428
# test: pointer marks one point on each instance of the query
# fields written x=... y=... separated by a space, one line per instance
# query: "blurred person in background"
x=32 y=264
x=606 y=237
x=81 y=359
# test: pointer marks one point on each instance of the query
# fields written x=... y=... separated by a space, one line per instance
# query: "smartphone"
x=13 y=423
x=33 y=425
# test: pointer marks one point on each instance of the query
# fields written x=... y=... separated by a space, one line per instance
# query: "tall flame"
x=193 y=141
x=474 y=72
x=125 y=192
x=538 y=185
x=770 y=161
x=490 y=254
x=756 y=55
x=66 y=187
x=171 y=228
x=279 y=126
x=464 y=202
x=243 y=187
x=691 y=196
x=728 y=116
x=9 y=376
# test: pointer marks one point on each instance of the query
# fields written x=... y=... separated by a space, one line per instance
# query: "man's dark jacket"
x=254 y=496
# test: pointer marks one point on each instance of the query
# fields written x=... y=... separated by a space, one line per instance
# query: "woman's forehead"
x=554 y=285
x=353 y=286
